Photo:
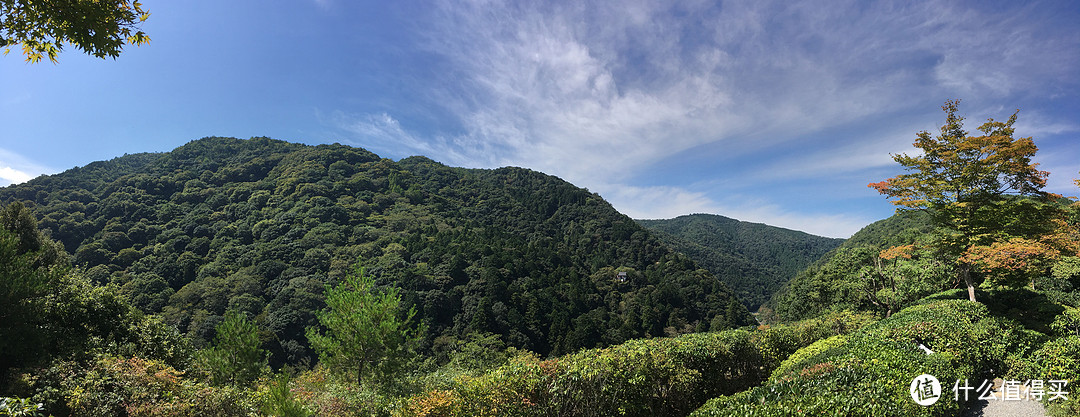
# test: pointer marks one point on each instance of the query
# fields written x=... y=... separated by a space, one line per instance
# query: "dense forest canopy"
x=753 y=259
x=263 y=226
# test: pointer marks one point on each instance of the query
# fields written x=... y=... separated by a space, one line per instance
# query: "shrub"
x=781 y=341
x=1067 y=323
x=275 y=398
x=646 y=377
x=19 y=407
x=869 y=372
x=1058 y=359
x=133 y=386
x=809 y=355
x=318 y=392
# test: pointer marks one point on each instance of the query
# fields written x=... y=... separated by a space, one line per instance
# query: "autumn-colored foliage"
x=955 y=169
x=1017 y=260
x=1012 y=260
x=965 y=182
x=902 y=251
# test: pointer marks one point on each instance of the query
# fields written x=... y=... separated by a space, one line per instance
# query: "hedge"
x=870 y=371
x=647 y=377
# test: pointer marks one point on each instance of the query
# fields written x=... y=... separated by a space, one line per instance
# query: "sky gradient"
x=776 y=112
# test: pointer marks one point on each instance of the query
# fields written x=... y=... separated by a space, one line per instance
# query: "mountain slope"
x=263 y=226
x=754 y=259
x=838 y=280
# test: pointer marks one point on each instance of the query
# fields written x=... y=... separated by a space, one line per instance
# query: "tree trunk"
x=965 y=271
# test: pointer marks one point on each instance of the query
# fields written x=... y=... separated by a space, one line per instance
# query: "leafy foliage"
x=867 y=373
x=963 y=182
x=1059 y=360
x=50 y=311
x=277 y=399
x=235 y=358
x=264 y=226
x=98 y=27
x=134 y=386
x=25 y=279
x=753 y=259
x=867 y=272
x=19 y=407
x=662 y=376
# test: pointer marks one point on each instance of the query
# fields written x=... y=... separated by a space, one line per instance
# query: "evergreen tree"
x=235 y=358
x=365 y=330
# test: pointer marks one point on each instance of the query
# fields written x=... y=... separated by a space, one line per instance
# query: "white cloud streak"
x=576 y=88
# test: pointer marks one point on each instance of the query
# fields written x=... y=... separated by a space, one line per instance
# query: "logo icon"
x=925 y=390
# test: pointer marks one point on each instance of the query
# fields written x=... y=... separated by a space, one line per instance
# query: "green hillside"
x=202 y=273
x=262 y=226
x=754 y=259
x=838 y=281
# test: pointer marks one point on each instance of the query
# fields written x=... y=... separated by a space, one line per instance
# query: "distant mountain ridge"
x=834 y=283
x=754 y=259
x=262 y=226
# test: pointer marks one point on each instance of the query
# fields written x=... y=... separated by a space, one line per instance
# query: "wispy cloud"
x=575 y=88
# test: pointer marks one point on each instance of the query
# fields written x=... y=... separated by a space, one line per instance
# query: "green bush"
x=809 y=355
x=1067 y=323
x=640 y=377
x=869 y=372
x=646 y=377
x=19 y=407
x=1058 y=359
x=133 y=386
x=779 y=342
x=275 y=398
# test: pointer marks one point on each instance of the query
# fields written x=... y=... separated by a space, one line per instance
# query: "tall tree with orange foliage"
x=970 y=184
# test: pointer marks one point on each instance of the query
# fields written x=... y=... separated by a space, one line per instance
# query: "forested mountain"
x=263 y=226
x=753 y=259
x=844 y=279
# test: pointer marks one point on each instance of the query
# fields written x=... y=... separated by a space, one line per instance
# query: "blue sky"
x=777 y=112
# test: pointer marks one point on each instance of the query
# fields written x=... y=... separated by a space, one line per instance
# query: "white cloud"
x=658 y=202
x=9 y=175
x=15 y=168
x=562 y=86
x=571 y=89
x=575 y=88
x=832 y=161
x=1039 y=126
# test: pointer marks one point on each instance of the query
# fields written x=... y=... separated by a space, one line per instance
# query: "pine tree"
x=365 y=331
